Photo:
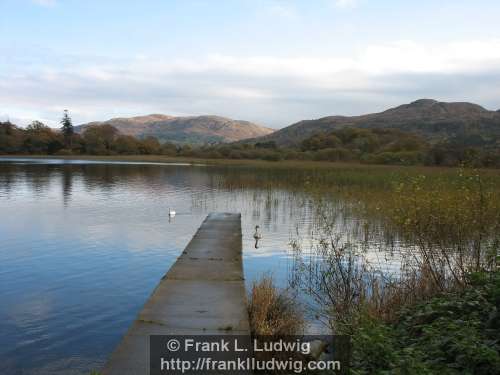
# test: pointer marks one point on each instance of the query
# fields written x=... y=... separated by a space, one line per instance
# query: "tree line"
x=394 y=146
x=37 y=138
x=372 y=146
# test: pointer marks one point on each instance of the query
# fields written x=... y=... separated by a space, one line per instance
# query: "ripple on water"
x=83 y=244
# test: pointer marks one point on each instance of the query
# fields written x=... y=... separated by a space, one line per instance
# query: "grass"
x=446 y=227
x=311 y=176
x=273 y=311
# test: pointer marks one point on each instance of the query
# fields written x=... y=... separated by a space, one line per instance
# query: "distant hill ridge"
x=187 y=129
x=435 y=121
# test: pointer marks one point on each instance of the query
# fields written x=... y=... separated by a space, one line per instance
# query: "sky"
x=273 y=62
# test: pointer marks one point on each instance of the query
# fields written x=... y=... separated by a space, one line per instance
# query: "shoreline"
x=301 y=164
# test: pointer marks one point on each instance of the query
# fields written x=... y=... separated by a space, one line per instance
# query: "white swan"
x=171 y=212
x=257 y=235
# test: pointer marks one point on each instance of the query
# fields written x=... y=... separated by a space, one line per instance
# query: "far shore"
x=307 y=164
x=300 y=164
x=192 y=160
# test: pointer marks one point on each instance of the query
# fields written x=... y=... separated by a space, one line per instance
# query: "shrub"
x=454 y=333
x=396 y=158
x=235 y=154
x=273 y=311
x=64 y=151
x=272 y=156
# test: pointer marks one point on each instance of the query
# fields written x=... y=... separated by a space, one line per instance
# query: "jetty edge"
x=203 y=293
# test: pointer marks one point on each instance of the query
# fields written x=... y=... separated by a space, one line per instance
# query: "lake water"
x=83 y=244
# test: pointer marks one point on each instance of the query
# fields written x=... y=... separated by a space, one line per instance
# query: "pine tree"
x=67 y=128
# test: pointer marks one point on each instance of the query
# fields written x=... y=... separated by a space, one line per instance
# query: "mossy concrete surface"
x=203 y=293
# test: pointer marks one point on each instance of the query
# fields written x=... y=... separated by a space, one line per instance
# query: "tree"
x=41 y=139
x=150 y=145
x=108 y=134
x=11 y=138
x=169 y=149
x=126 y=144
x=67 y=128
x=99 y=139
x=36 y=126
x=268 y=144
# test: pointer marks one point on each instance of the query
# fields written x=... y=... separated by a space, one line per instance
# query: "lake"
x=83 y=244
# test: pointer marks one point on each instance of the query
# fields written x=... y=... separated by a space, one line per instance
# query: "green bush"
x=272 y=156
x=396 y=158
x=456 y=333
x=64 y=151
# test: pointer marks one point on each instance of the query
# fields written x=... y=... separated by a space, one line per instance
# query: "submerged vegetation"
x=454 y=226
x=426 y=302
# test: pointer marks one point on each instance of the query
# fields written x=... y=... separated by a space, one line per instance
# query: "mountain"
x=192 y=129
x=433 y=120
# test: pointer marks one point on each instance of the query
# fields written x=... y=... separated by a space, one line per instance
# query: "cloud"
x=274 y=91
x=45 y=3
x=283 y=10
x=345 y=3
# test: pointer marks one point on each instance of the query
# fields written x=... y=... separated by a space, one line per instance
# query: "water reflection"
x=84 y=244
x=67 y=182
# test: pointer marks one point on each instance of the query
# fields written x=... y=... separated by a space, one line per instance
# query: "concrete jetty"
x=203 y=293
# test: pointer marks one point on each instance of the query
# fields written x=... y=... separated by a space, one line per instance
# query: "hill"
x=192 y=129
x=433 y=120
